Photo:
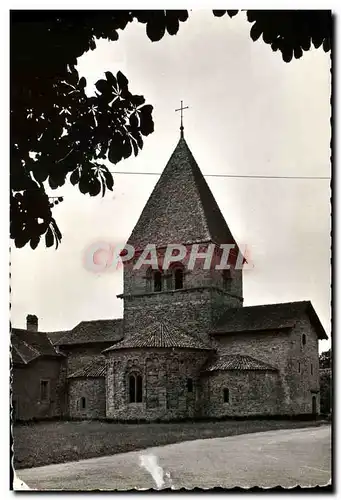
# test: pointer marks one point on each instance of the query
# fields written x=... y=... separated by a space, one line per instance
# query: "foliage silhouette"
x=59 y=134
x=325 y=359
x=325 y=362
x=290 y=31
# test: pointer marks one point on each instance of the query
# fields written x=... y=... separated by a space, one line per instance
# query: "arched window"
x=227 y=280
x=189 y=385
x=157 y=281
x=135 y=388
x=154 y=279
x=83 y=403
x=304 y=339
x=178 y=278
x=226 y=396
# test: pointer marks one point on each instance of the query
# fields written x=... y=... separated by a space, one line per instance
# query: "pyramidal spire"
x=181 y=208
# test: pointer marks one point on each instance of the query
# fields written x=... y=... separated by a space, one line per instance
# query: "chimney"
x=32 y=323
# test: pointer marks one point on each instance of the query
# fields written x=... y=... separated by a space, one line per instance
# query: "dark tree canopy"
x=59 y=134
x=325 y=359
x=290 y=31
x=325 y=362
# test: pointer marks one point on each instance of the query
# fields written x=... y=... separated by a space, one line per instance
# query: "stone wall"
x=195 y=307
x=270 y=347
x=284 y=350
x=303 y=368
x=195 y=310
x=165 y=375
x=93 y=390
x=26 y=389
x=250 y=393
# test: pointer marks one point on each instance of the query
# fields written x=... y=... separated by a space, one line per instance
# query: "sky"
x=249 y=114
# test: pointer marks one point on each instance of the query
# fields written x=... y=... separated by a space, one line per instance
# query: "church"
x=186 y=347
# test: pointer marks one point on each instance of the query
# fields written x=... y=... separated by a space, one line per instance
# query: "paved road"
x=266 y=459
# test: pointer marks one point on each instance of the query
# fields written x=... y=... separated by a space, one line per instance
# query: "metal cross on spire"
x=181 y=114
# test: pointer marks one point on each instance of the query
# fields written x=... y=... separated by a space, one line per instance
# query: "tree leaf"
x=84 y=182
x=172 y=23
x=115 y=152
x=49 y=239
x=139 y=140
x=109 y=180
x=126 y=150
x=103 y=87
x=82 y=83
x=255 y=32
x=94 y=186
x=135 y=147
x=34 y=242
x=122 y=81
x=111 y=79
x=74 y=177
x=219 y=13
x=156 y=29
x=146 y=121
x=133 y=121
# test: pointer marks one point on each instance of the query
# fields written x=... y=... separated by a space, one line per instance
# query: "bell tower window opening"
x=178 y=278
x=157 y=281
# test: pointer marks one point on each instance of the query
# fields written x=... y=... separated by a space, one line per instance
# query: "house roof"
x=237 y=362
x=94 y=369
x=56 y=336
x=17 y=357
x=267 y=317
x=28 y=345
x=160 y=334
x=101 y=330
x=181 y=208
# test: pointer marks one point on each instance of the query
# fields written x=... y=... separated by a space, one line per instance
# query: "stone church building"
x=185 y=347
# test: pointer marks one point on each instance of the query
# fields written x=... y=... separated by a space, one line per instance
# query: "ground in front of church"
x=286 y=458
x=44 y=443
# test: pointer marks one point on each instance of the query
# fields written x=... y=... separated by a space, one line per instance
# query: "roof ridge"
x=30 y=347
x=19 y=354
x=212 y=203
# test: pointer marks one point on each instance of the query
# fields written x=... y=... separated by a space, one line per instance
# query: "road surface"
x=266 y=459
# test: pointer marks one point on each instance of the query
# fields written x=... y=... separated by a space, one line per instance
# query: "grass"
x=44 y=443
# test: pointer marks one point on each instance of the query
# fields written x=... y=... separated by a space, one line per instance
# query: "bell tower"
x=181 y=219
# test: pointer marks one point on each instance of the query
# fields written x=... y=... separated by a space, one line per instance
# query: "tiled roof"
x=56 y=336
x=181 y=208
x=28 y=345
x=94 y=369
x=17 y=357
x=160 y=334
x=237 y=362
x=101 y=330
x=267 y=317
